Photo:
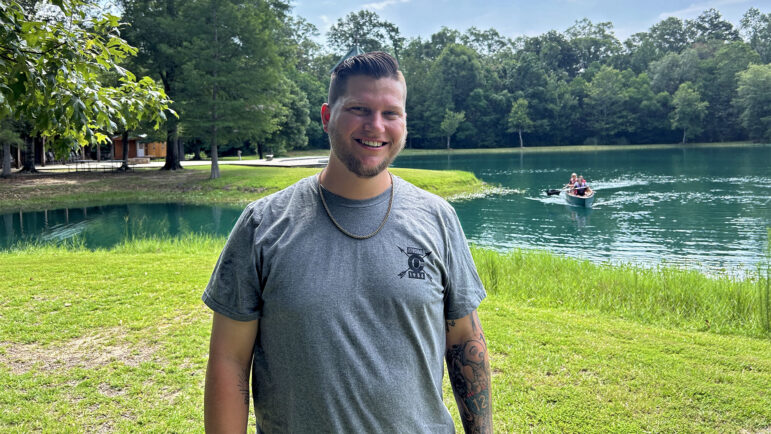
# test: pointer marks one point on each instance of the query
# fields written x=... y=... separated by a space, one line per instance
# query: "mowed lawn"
x=117 y=340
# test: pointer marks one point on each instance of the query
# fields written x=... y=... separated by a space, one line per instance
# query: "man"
x=345 y=290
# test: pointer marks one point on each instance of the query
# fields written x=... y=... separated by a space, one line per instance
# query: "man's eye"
x=358 y=109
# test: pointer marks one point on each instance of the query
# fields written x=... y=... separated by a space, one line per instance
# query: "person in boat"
x=581 y=187
x=570 y=185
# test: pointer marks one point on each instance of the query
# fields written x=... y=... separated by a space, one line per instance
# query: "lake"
x=701 y=208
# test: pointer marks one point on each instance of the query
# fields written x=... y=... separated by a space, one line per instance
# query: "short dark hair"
x=376 y=64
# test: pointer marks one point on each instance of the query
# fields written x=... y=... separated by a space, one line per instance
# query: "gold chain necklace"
x=354 y=236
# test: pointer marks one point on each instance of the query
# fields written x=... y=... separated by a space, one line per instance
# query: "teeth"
x=371 y=143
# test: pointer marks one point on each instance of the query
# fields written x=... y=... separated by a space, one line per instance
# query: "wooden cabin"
x=138 y=147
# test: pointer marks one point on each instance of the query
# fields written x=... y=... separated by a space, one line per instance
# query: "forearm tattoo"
x=243 y=386
x=468 y=365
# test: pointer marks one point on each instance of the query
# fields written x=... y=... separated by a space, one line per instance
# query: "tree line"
x=220 y=76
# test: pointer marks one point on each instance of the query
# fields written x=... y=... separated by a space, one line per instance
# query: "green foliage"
x=518 y=119
x=51 y=74
x=231 y=82
x=605 y=101
x=450 y=123
x=757 y=28
x=366 y=30
x=689 y=110
x=753 y=101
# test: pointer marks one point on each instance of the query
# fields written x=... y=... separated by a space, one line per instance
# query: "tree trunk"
x=124 y=139
x=448 y=143
x=259 y=150
x=521 y=144
x=18 y=157
x=196 y=150
x=683 y=135
x=43 y=153
x=6 y=160
x=172 y=150
x=29 y=156
x=98 y=152
x=215 y=168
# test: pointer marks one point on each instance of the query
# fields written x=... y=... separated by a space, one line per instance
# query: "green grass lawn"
x=117 y=340
x=238 y=185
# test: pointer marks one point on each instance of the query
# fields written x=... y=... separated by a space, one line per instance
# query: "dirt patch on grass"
x=25 y=186
x=88 y=352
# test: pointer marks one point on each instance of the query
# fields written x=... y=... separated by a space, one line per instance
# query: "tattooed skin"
x=448 y=325
x=469 y=372
x=243 y=386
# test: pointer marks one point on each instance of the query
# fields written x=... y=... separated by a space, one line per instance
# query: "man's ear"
x=325 y=113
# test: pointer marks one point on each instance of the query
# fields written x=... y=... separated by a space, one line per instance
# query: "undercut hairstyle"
x=376 y=64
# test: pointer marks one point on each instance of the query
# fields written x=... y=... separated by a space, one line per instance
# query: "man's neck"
x=342 y=182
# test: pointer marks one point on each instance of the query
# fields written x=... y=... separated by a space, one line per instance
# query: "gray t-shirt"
x=352 y=332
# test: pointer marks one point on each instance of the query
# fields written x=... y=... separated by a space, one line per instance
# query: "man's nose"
x=375 y=122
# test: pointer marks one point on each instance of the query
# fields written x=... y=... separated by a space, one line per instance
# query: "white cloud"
x=698 y=8
x=382 y=5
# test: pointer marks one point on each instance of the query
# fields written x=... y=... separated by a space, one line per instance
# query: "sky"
x=519 y=18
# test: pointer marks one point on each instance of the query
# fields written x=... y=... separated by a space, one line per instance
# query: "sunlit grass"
x=116 y=340
x=664 y=296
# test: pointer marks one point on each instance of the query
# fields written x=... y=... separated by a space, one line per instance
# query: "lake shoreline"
x=237 y=186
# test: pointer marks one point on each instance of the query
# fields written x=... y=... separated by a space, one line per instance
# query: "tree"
x=53 y=59
x=232 y=83
x=554 y=51
x=158 y=28
x=518 y=119
x=668 y=73
x=710 y=26
x=753 y=101
x=8 y=136
x=756 y=27
x=689 y=110
x=718 y=82
x=605 y=101
x=593 y=42
x=671 y=35
x=450 y=124
x=454 y=75
x=367 y=30
x=290 y=132
x=561 y=111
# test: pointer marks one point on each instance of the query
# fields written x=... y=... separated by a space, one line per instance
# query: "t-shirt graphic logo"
x=415 y=261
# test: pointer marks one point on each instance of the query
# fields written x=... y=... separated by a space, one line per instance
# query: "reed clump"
x=663 y=296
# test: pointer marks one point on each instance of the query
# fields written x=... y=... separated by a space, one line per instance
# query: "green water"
x=105 y=226
x=706 y=209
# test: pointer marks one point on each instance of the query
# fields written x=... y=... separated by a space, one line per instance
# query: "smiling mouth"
x=371 y=143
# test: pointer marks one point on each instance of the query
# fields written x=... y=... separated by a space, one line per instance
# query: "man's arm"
x=226 y=395
x=468 y=364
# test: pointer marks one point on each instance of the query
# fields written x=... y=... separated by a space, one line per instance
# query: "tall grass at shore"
x=663 y=296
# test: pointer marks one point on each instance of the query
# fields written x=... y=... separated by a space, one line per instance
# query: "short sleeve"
x=234 y=287
x=463 y=289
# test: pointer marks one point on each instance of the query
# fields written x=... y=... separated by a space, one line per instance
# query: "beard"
x=355 y=166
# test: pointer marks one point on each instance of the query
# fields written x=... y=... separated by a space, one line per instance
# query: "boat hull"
x=580 y=201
